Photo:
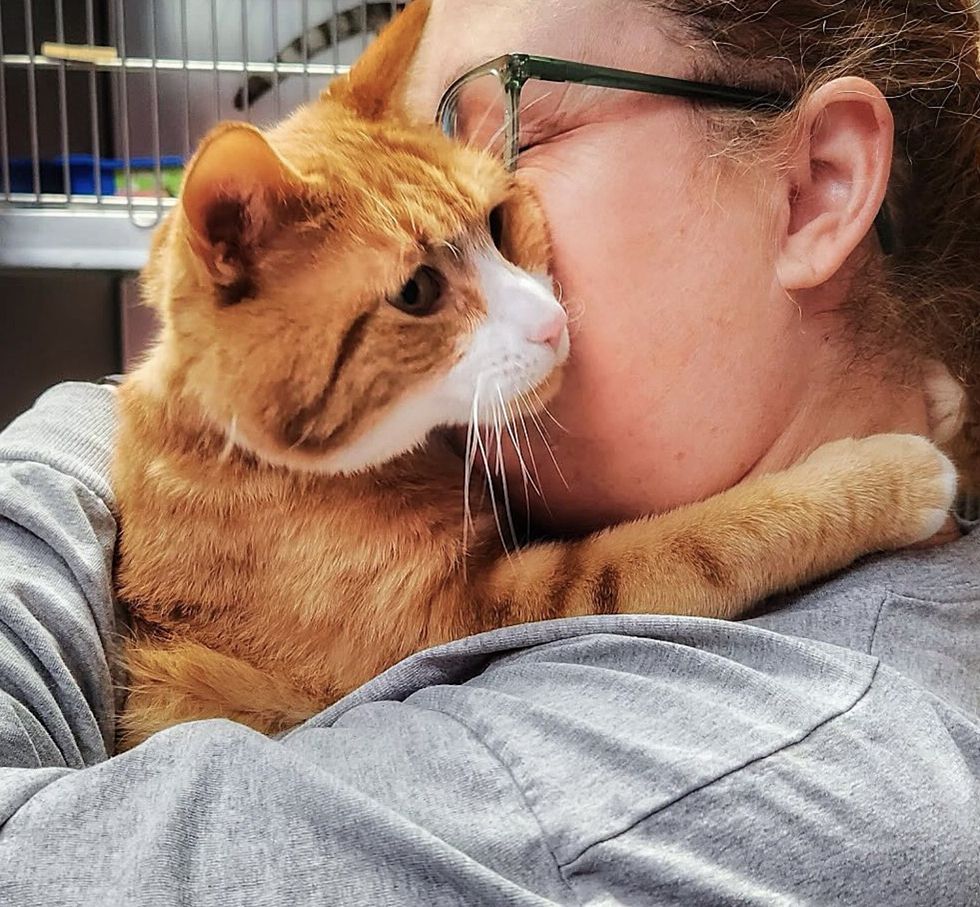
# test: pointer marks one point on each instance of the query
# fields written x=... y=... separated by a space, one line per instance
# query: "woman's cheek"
x=581 y=215
x=605 y=214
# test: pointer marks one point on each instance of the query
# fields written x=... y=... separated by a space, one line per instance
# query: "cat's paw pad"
x=914 y=480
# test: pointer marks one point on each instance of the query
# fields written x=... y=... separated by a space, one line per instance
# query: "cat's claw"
x=918 y=481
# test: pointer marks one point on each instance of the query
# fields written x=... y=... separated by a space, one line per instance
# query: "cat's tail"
x=170 y=683
x=365 y=18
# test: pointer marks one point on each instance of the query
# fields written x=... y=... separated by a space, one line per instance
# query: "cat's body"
x=290 y=526
x=319 y=582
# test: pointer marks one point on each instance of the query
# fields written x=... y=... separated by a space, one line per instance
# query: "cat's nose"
x=550 y=328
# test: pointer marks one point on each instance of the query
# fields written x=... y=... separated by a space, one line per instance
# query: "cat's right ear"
x=236 y=195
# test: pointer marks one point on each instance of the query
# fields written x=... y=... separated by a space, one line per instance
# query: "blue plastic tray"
x=81 y=173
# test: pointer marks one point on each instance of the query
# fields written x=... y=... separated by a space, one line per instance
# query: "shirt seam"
x=729 y=774
x=891 y=594
x=874 y=627
x=523 y=795
x=932 y=600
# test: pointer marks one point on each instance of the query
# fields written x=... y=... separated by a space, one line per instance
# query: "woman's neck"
x=819 y=421
x=868 y=401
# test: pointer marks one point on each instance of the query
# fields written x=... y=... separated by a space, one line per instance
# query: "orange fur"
x=263 y=587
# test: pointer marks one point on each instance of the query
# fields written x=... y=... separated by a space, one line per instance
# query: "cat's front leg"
x=719 y=557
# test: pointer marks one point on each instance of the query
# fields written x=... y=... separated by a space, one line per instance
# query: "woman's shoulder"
x=917 y=611
x=70 y=429
x=662 y=756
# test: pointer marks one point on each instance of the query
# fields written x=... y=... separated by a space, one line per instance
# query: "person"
x=737 y=307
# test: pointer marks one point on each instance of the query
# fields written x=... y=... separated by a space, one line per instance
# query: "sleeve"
x=56 y=611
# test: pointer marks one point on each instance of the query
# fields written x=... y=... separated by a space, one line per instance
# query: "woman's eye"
x=495 y=223
x=421 y=294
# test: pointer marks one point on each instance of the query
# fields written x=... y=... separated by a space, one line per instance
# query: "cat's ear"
x=375 y=86
x=236 y=196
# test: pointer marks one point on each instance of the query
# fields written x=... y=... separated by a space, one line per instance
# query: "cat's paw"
x=907 y=476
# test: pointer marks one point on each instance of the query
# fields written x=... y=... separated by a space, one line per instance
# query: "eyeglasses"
x=483 y=107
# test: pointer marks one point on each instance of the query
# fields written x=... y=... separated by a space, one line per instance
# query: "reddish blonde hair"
x=923 y=55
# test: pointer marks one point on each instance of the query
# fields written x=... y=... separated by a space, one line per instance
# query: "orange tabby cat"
x=291 y=526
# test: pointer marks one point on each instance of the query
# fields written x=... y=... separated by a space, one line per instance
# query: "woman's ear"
x=836 y=182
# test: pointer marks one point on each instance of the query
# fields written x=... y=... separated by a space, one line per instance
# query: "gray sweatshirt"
x=826 y=752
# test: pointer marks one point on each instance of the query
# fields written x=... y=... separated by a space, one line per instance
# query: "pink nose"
x=549 y=329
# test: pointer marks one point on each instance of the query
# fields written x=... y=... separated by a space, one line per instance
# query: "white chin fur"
x=498 y=362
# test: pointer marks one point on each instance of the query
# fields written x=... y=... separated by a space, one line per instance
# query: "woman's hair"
x=923 y=56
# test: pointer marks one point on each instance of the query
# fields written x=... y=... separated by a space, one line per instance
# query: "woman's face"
x=688 y=359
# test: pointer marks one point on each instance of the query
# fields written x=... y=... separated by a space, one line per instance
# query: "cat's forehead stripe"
x=431 y=187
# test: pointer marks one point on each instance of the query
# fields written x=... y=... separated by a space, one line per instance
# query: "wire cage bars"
x=103 y=101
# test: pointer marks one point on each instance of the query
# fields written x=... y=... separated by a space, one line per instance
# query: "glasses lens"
x=477 y=113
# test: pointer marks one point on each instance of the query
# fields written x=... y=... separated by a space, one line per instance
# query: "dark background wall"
x=54 y=326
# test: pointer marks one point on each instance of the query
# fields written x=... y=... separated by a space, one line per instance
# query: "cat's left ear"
x=237 y=194
x=375 y=86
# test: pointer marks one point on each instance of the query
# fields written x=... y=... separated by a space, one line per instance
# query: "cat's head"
x=335 y=288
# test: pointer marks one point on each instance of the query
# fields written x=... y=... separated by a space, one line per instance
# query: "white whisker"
x=511 y=425
x=475 y=130
x=493 y=138
x=523 y=409
x=536 y=421
x=541 y=97
x=522 y=405
x=231 y=441
x=496 y=135
x=575 y=311
x=547 y=411
x=471 y=430
x=489 y=486
x=498 y=429
x=525 y=474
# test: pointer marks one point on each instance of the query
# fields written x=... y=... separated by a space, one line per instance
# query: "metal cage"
x=102 y=102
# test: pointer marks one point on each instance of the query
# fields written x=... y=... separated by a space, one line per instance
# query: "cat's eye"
x=421 y=294
x=495 y=223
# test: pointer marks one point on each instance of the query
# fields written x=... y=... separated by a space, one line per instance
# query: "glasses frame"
x=515 y=70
